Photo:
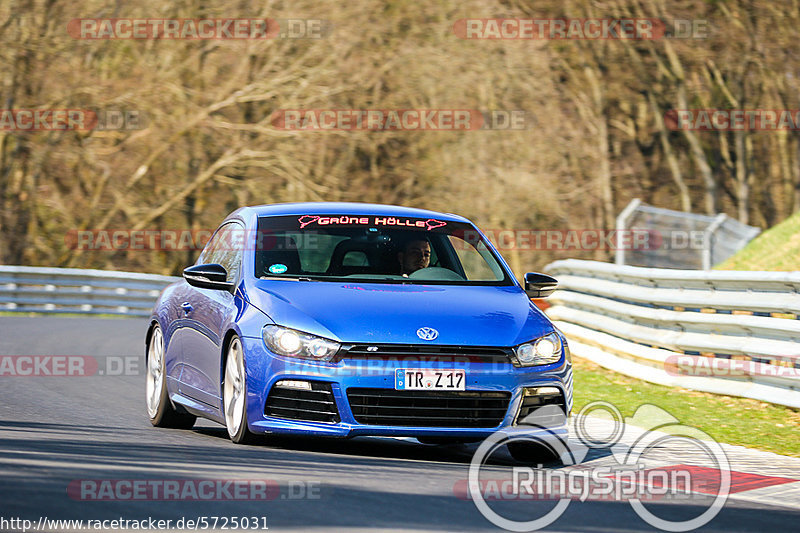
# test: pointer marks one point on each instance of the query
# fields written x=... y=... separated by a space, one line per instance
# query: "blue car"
x=347 y=319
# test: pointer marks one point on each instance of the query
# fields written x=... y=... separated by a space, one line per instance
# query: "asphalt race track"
x=57 y=431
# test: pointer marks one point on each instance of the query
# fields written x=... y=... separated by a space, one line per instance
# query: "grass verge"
x=738 y=421
x=778 y=248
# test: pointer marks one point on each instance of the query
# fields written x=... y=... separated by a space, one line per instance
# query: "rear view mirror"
x=212 y=276
x=539 y=285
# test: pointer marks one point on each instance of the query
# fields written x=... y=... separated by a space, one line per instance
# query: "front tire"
x=532 y=453
x=159 y=408
x=234 y=394
x=437 y=441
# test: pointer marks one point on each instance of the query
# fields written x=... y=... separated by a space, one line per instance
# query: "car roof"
x=346 y=208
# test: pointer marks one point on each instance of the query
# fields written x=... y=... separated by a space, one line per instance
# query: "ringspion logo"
x=628 y=479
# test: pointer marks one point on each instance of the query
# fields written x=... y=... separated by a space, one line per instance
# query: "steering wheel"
x=435 y=274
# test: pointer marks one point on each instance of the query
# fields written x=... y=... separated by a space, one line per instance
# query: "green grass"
x=778 y=248
x=738 y=421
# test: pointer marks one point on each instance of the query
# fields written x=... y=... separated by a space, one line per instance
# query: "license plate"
x=428 y=379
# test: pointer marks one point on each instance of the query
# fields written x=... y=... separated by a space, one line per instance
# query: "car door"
x=206 y=313
x=174 y=336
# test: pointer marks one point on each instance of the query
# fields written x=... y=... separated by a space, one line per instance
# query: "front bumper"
x=265 y=369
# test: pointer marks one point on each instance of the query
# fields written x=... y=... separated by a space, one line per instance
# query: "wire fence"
x=690 y=241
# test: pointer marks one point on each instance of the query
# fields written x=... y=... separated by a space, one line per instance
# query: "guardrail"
x=726 y=332
x=72 y=290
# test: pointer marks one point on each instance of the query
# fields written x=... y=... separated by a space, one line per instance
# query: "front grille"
x=422 y=353
x=315 y=405
x=540 y=407
x=454 y=409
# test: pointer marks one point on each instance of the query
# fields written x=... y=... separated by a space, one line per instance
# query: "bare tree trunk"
x=796 y=174
x=787 y=181
x=669 y=154
x=742 y=184
x=700 y=160
x=595 y=112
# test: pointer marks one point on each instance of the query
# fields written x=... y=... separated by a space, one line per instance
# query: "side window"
x=225 y=248
x=477 y=261
x=211 y=246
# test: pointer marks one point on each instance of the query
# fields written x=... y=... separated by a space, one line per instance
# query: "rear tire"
x=159 y=408
x=234 y=395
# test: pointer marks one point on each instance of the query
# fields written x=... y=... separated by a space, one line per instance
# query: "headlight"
x=292 y=343
x=542 y=351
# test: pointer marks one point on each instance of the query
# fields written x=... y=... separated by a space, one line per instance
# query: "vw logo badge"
x=427 y=334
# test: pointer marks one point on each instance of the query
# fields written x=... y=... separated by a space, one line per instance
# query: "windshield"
x=374 y=248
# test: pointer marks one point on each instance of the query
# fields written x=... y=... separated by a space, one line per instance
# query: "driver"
x=416 y=254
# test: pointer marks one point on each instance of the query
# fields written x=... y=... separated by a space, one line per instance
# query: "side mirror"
x=211 y=276
x=539 y=285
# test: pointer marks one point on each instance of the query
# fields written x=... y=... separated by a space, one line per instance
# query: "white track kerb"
x=628 y=448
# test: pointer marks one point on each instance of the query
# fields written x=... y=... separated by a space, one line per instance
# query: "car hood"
x=392 y=313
